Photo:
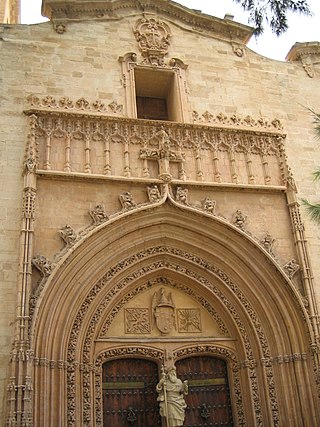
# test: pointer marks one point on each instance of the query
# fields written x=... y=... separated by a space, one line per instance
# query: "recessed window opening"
x=157 y=96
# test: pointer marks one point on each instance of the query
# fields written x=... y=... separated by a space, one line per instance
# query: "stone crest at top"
x=153 y=38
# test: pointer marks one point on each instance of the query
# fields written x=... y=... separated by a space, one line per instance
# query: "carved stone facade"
x=156 y=239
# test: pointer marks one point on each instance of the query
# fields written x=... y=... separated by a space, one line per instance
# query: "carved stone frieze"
x=65 y=103
x=237 y=120
x=174 y=146
x=153 y=37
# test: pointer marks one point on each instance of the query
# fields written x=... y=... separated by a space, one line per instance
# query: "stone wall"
x=226 y=84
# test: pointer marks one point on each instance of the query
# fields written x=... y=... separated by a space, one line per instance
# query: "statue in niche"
x=163 y=310
x=171 y=391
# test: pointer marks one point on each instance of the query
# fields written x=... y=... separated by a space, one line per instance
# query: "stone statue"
x=171 y=391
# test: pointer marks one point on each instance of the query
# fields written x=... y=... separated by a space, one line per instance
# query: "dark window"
x=152 y=108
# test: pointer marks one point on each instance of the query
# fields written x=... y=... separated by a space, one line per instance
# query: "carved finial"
x=43 y=265
x=98 y=215
x=126 y=200
x=68 y=235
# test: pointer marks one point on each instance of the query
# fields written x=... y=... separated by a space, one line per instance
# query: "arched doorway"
x=211 y=269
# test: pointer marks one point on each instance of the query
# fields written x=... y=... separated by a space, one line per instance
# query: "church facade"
x=152 y=171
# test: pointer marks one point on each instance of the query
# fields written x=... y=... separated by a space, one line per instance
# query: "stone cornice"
x=69 y=10
x=300 y=50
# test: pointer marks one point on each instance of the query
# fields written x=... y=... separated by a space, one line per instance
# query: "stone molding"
x=308 y=54
x=67 y=11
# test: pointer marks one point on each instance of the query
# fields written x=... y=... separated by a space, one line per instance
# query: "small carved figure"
x=43 y=265
x=239 y=219
x=68 y=235
x=209 y=205
x=182 y=195
x=153 y=193
x=98 y=215
x=291 y=268
x=171 y=391
x=267 y=242
x=126 y=200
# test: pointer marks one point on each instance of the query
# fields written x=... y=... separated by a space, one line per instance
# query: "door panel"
x=208 y=401
x=129 y=393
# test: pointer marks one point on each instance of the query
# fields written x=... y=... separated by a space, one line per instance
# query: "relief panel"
x=162 y=312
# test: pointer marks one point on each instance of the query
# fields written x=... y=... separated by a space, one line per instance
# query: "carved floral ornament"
x=81 y=104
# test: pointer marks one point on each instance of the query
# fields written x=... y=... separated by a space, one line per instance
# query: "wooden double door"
x=130 y=397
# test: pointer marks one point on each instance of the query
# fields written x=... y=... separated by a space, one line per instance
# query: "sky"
x=301 y=28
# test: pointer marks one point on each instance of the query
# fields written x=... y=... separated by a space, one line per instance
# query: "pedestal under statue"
x=171 y=391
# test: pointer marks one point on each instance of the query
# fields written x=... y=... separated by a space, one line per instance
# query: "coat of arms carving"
x=163 y=310
x=153 y=38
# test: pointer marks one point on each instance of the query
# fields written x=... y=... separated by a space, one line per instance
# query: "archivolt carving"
x=202 y=263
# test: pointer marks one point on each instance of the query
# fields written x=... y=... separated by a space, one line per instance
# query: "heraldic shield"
x=163 y=310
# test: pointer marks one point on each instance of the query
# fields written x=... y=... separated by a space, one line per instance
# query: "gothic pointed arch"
x=192 y=253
